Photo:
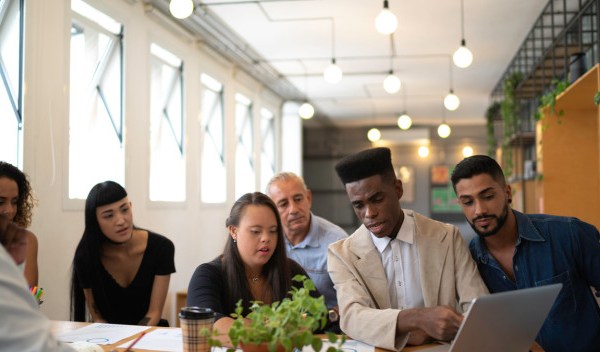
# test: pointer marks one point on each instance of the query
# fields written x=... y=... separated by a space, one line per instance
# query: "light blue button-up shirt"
x=311 y=254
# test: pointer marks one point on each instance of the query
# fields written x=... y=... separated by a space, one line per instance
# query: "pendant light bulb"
x=374 y=134
x=333 y=73
x=423 y=151
x=181 y=8
x=467 y=151
x=462 y=56
x=404 y=122
x=386 y=22
x=391 y=83
x=451 y=101
x=444 y=130
x=306 y=111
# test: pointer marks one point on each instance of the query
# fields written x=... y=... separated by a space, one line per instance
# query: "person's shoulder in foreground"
x=515 y=251
x=23 y=327
x=442 y=274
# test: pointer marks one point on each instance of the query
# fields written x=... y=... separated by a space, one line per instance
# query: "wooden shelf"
x=522 y=138
x=569 y=152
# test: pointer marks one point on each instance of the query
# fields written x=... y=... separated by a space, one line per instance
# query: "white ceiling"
x=296 y=37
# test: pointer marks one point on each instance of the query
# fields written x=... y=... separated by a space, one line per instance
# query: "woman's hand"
x=14 y=240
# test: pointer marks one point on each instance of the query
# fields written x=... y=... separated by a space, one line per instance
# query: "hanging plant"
x=548 y=100
x=490 y=115
x=509 y=110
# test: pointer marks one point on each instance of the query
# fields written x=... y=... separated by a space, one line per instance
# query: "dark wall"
x=324 y=147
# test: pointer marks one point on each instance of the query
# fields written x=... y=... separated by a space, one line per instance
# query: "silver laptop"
x=505 y=321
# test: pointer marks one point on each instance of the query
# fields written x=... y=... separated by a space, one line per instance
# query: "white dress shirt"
x=400 y=259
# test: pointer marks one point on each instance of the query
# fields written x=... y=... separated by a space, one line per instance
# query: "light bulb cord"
x=462 y=21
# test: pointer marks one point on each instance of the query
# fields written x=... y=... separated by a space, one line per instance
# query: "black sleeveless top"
x=128 y=305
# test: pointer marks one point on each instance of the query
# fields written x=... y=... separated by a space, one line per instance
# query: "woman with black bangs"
x=121 y=271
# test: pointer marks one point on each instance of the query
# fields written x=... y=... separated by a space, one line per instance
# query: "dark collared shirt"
x=552 y=249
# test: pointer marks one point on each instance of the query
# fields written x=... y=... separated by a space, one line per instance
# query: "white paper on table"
x=101 y=333
x=348 y=346
x=167 y=340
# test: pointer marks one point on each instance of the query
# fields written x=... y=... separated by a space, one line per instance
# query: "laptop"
x=505 y=321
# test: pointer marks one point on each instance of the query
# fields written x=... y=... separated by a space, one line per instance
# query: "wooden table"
x=59 y=327
x=65 y=326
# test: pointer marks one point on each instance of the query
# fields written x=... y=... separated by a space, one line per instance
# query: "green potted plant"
x=283 y=326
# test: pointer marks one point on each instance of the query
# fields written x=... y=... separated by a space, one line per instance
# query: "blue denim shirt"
x=311 y=254
x=552 y=249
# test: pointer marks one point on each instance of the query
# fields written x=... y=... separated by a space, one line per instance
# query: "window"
x=244 y=164
x=267 y=151
x=96 y=145
x=213 y=183
x=167 y=162
x=11 y=81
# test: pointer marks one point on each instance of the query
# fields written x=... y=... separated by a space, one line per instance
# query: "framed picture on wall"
x=444 y=205
x=440 y=174
x=406 y=174
x=443 y=200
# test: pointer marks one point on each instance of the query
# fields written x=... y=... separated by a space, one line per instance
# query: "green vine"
x=490 y=115
x=509 y=110
x=548 y=100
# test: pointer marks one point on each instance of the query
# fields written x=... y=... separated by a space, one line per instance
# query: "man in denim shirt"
x=306 y=235
x=515 y=251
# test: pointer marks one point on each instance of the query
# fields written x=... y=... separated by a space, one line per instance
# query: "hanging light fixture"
x=423 y=151
x=404 y=121
x=391 y=83
x=444 y=130
x=374 y=134
x=451 y=101
x=333 y=73
x=462 y=56
x=306 y=111
x=467 y=151
x=181 y=8
x=386 y=22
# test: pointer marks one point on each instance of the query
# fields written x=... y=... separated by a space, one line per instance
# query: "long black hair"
x=87 y=255
x=276 y=270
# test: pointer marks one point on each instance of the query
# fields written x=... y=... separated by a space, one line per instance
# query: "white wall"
x=197 y=230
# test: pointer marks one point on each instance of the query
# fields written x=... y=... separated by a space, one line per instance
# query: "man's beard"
x=499 y=223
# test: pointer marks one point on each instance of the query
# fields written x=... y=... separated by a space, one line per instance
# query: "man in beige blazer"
x=401 y=278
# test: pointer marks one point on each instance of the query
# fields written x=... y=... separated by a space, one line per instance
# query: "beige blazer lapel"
x=370 y=267
x=433 y=251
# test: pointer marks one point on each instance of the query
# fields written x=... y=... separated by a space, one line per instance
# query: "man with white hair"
x=306 y=235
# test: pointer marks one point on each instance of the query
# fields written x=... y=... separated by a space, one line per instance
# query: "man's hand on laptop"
x=440 y=323
x=418 y=337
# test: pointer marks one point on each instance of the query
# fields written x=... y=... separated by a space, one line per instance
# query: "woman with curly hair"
x=16 y=203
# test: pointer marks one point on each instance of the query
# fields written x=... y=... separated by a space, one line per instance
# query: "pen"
x=135 y=341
